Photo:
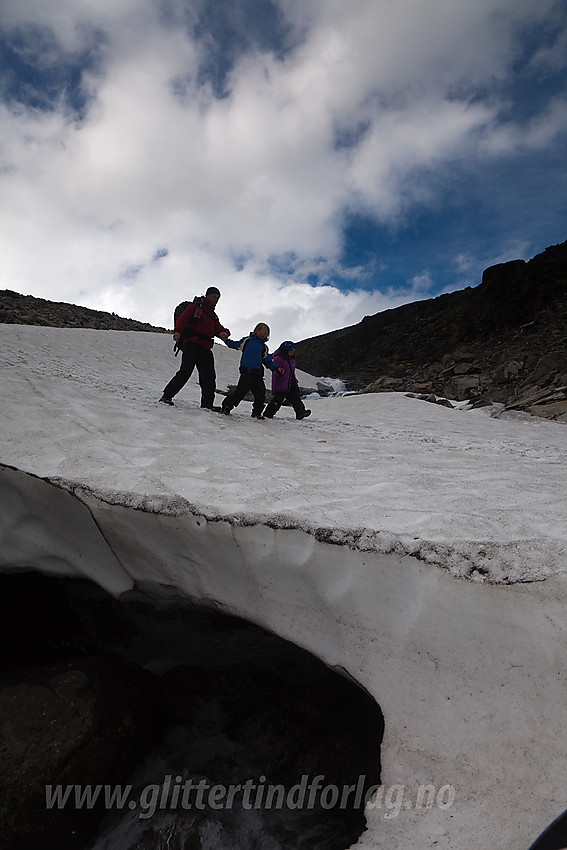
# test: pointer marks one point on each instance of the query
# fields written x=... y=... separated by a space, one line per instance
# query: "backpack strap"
x=245 y=342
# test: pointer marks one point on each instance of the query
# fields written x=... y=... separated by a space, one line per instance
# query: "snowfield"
x=381 y=472
x=420 y=549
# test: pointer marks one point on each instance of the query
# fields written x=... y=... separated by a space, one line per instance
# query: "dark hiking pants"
x=195 y=355
x=278 y=399
x=249 y=381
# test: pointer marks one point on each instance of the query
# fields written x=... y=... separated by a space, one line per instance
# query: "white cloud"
x=258 y=173
x=534 y=135
x=71 y=22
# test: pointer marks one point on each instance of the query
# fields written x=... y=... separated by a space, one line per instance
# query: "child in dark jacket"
x=284 y=383
x=254 y=357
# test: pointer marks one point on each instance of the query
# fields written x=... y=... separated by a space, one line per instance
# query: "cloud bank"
x=171 y=148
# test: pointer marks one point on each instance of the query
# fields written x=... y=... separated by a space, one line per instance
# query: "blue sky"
x=317 y=160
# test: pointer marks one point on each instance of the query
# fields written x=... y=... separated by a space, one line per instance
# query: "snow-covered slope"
x=247 y=515
x=382 y=472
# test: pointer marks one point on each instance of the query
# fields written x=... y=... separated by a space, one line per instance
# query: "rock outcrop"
x=504 y=341
x=28 y=310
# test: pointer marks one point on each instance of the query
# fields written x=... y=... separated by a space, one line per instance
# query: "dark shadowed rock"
x=86 y=721
x=432 y=399
x=39 y=622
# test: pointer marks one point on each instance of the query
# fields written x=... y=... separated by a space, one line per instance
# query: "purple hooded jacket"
x=283 y=383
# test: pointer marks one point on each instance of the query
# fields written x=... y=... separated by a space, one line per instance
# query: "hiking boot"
x=213 y=407
x=258 y=416
x=165 y=400
x=225 y=410
x=304 y=415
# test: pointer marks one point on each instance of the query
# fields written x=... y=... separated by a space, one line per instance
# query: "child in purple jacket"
x=284 y=385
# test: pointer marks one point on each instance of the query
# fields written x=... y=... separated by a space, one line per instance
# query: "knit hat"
x=287 y=345
x=212 y=290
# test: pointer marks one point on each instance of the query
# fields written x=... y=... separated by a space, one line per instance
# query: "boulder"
x=324 y=389
x=464 y=368
x=556 y=410
x=462 y=386
x=507 y=371
x=384 y=384
x=444 y=402
x=545 y=371
x=545 y=402
x=423 y=388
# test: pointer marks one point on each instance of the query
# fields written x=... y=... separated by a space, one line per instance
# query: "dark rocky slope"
x=27 y=310
x=502 y=341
